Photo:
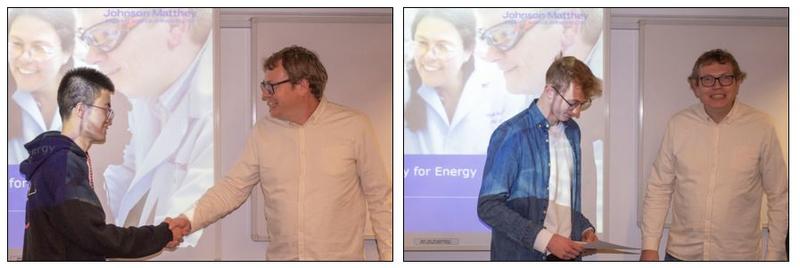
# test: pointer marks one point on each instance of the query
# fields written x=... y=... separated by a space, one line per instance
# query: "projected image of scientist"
x=522 y=42
x=40 y=47
x=531 y=191
x=161 y=60
x=449 y=111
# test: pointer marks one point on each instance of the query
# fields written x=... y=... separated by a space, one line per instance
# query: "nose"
x=575 y=112
x=265 y=95
x=26 y=56
x=492 y=54
x=95 y=55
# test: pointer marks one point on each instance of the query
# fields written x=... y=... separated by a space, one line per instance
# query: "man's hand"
x=589 y=236
x=180 y=227
x=564 y=248
x=177 y=235
x=649 y=255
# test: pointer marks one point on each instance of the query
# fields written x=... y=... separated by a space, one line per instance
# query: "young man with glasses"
x=318 y=166
x=531 y=190
x=160 y=59
x=63 y=216
x=717 y=159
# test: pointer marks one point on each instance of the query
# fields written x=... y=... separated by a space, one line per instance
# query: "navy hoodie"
x=63 y=216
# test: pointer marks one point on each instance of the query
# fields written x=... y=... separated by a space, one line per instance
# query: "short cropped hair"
x=720 y=56
x=81 y=85
x=566 y=70
x=300 y=63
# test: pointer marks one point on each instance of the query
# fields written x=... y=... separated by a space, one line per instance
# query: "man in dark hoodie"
x=63 y=216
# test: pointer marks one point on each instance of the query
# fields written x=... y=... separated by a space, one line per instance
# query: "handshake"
x=180 y=227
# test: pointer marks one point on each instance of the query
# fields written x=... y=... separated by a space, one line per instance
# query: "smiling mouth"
x=507 y=69
x=108 y=71
x=717 y=96
x=26 y=71
x=430 y=68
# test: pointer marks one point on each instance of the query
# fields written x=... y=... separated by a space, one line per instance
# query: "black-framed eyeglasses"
x=270 y=88
x=108 y=34
x=503 y=36
x=724 y=80
x=109 y=112
x=575 y=103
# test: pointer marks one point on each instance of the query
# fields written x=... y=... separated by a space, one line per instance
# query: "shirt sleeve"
x=658 y=193
x=83 y=223
x=231 y=192
x=500 y=172
x=542 y=240
x=774 y=180
x=377 y=188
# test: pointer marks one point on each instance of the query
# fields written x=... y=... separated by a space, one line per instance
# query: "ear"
x=305 y=86
x=548 y=91
x=78 y=110
x=526 y=25
x=177 y=32
x=694 y=88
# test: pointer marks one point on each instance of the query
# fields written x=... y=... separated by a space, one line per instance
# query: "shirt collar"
x=734 y=113
x=170 y=98
x=313 y=119
x=28 y=105
x=538 y=118
x=323 y=103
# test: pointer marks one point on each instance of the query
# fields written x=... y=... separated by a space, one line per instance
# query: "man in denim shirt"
x=530 y=194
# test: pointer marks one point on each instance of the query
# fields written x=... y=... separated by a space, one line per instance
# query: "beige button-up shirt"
x=318 y=179
x=715 y=176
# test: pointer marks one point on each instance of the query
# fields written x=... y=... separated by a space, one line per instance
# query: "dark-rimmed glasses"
x=270 y=88
x=575 y=103
x=724 y=80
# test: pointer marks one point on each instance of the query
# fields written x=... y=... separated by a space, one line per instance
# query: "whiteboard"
x=356 y=51
x=668 y=52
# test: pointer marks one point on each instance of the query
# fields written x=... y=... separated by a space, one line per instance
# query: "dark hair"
x=300 y=63
x=464 y=22
x=720 y=56
x=566 y=70
x=81 y=85
x=61 y=19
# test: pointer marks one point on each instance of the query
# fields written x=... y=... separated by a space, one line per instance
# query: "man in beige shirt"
x=716 y=161
x=318 y=165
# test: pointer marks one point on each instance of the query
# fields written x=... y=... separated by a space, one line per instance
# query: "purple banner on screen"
x=17 y=195
x=441 y=193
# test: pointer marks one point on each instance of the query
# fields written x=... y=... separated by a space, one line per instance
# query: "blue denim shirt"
x=515 y=188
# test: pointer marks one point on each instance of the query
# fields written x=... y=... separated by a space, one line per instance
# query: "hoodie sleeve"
x=81 y=219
